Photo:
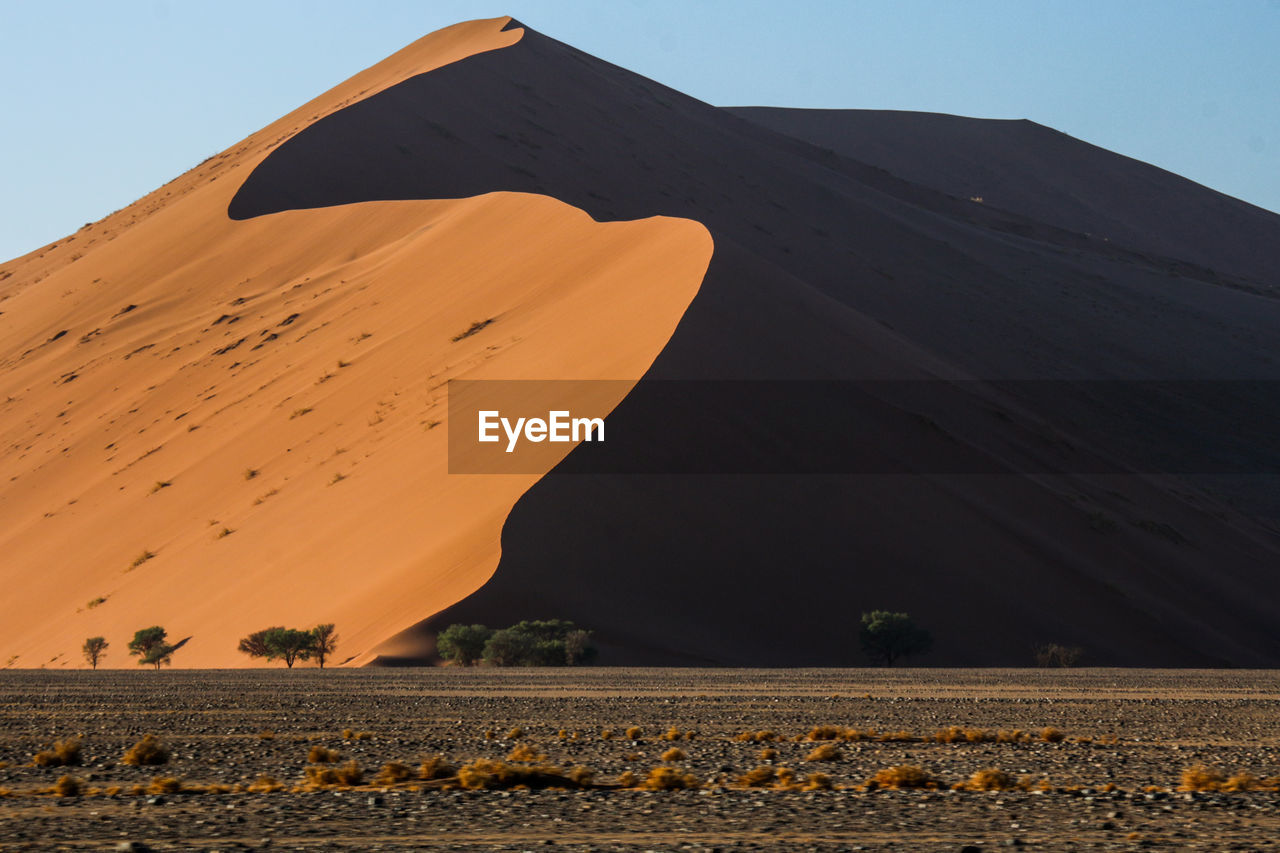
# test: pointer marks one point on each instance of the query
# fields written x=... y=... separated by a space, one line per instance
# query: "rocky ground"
x=1112 y=782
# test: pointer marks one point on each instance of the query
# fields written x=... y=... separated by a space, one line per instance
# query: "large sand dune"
x=730 y=522
x=161 y=356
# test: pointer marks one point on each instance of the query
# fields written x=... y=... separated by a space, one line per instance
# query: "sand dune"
x=146 y=379
x=616 y=229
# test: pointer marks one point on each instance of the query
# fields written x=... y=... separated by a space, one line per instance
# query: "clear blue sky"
x=103 y=102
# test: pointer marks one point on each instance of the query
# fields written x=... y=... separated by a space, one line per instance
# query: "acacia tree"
x=255 y=645
x=324 y=642
x=463 y=644
x=288 y=644
x=887 y=636
x=149 y=645
x=95 y=649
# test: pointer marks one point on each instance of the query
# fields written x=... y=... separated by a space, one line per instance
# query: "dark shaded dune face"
x=826 y=268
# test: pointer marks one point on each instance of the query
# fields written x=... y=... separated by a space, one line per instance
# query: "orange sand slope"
x=218 y=426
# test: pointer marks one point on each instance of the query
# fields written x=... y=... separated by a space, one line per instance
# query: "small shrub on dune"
x=674 y=754
x=826 y=752
x=65 y=753
x=68 y=786
x=526 y=753
x=165 y=785
x=436 y=767
x=767 y=754
x=265 y=784
x=606 y=734
x=516 y=733
x=147 y=752
x=321 y=776
x=989 y=779
x=671 y=734
x=323 y=755
x=352 y=734
x=826 y=733
x=1012 y=736
x=627 y=779
x=1051 y=735
x=635 y=733
x=905 y=776
x=669 y=779
x=393 y=773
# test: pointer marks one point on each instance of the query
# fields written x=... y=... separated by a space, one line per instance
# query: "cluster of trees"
x=886 y=636
x=291 y=644
x=149 y=645
x=548 y=642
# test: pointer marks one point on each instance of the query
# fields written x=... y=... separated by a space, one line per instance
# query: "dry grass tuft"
x=671 y=734
x=762 y=777
x=627 y=779
x=266 y=734
x=265 y=784
x=581 y=775
x=165 y=785
x=606 y=734
x=763 y=736
x=68 y=786
x=485 y=774
x=323 y=755
x=393 y=773
x=669 y=779
x=635 y=733
x=818 y=782
x=65 y=753
x=516 y=733
x=352 y=734
x=526 y=753
x=989 y=779
x=905 y=776
x=675 y=753
x=767 y=754
x=436 y=767
x=1201 y=778
x=147 y=752
x=1051 y=735
x=826 y=752
x=321 y=776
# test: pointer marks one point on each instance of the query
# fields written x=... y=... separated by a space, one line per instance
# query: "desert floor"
x=1134 y=730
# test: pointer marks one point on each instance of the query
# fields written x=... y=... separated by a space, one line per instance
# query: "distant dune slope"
x=1039 y=172
x=825 y=268
x=218 y=426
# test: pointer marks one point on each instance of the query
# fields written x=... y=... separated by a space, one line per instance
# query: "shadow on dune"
x=826 y=268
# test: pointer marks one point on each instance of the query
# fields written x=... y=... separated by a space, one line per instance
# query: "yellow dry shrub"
x=583 y=776
x=627 y=779
x=762 y=777
x=1012 y=736
x=818 y=782
x=265 y=784
x=675 y=753
x=516 y=733
x=1051 y=735
x=635 y=733
x=147 y=752
x=763 y=736
x=606 y=734
x=65 y=753
x=989 y=779
x=486 y=774
x=903 y=776
x=436 y=767
x=321 y=776
x=897 y=737
x=526 y=753
x=826 y=752
x=68 y=786
x=669 y=779
x=767 y=754
x=165 y=785
x=393 y=773
x=323 y=755
x=671 y=734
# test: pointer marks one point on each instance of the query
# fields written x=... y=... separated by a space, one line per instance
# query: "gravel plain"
x=1111 y=783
